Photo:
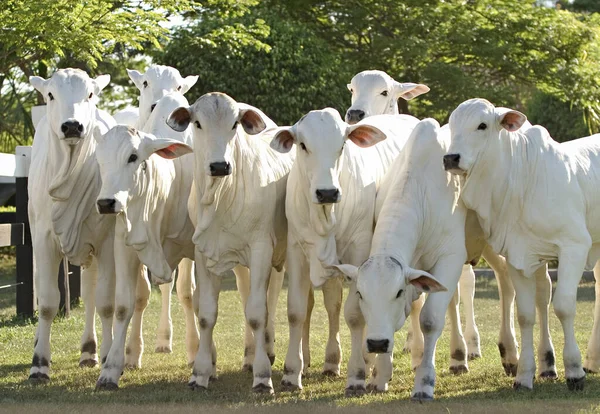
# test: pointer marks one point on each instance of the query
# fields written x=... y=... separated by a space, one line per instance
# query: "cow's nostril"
x=64 y=128
x=80 y=128
x=106 y=205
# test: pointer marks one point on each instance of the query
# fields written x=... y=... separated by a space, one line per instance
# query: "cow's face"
x=157 y=82
x=386 y=290
x=122 y=154
x=375 y=93
x=474 y=125
x=320 y=137
x=71 y=97
x=216 y=120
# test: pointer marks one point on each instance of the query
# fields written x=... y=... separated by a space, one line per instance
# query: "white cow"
x=64 y=181
x=374 y=92
x=420 y=225
x=238 y=206
x=334 y=166
x=533 y=199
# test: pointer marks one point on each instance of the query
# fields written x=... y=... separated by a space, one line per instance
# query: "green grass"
x=160 y=386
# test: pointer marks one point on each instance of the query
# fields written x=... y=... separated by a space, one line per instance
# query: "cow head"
x=122 y=154
x=71 y=97
x=216 y=120
x=375 y=93
x=320 y=137
x=157 y=82
x=474 y=125
x=386 y=290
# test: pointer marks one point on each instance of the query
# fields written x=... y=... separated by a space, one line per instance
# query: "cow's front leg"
x=257 y=314
x=47 y=261
x=89 y=356
x=275 y=283
x=355 y=385
x=458 y=356
x=592 y=358
x=135 y=345
x=416 y=343
x=382 y=373
x=128 y=268
x=164 y=333
x=447 y=270
x=242 y=279
x=332 y=298
x=547 y=367
x=467 y=295
x=206 y=299
x=186 y=285
x=105 y=291
x=306 y=332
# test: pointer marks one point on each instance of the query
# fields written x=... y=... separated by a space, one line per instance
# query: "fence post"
x=25 y=288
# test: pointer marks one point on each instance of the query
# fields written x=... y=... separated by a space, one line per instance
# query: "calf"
x=238 y=206
x=506 y=177
x=64 y=181
x=330 y=208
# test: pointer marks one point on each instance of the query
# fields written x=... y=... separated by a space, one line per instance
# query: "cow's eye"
x=198 y=125
x=482 y=126
x=359 y=295
x=145 y=84
x=50 y=96
x=91 y=94
x=132 y=158
x=179 y=88
x=303 y=146
x=399 y=293
x=384 y=93
x=235 y=124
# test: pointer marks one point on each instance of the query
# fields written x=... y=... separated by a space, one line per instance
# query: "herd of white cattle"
x=394 y=205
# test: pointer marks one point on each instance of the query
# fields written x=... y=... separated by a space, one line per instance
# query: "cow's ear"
x=98 y=134
x=409 y=90
x=423 y=281
x=251 y=121
x=349 y=86
x=179 y=119
x=284 y=140
x=39 y=83
x=187 y=83
x=349 y=271
x=137 y=77
x=165 y=147
x=364 y=135
x=510 y=119
x=100 y=83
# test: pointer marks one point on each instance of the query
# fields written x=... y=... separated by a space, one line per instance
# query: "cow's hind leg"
x=467 y=295
x=135 y=345
x=546 y=360
x=458 y=347
x=306 y=332
x=417 y=339
x=592 y=358
x=164 y=333
x=242 y=279
x=186 y=284
x=89 y=356
x=275 y=283
x=332 y=297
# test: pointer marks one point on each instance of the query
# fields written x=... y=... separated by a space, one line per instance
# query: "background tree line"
x=541 y=57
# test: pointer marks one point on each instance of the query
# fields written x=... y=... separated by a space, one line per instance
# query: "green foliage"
x=563 y=121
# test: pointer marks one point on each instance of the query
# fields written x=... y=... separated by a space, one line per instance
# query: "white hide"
x=127 y=116
x=535 y=208
x=64 y=181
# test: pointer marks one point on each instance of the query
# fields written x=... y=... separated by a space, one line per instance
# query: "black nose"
x=451 y=161
x=378 y=346
x=152 y=107
x=72 y=129
x=106 y=205
x=220 y=169
x=354 y=115
x=328 y=196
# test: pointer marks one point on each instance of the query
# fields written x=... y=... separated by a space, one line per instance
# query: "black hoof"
x=272 y=359
x=247 y=368
x=163 y=350
x=421 y=397
x=372 y=388
x=88 y=363
x=355 y=391
x=510 y=369
x=106 y=385
x=518 y=386
x=39 y=378
x=459 y=369
x=263 y=389
x=330 y=373
x=287 y=386
x=549 y=375
x=213 y=378
x=576 y=384
x=473 y=356
x=589 y=371
x=194 y=386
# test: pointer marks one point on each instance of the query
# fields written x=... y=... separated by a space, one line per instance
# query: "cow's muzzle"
x=328 y=196
x=354 y=115
x=106 y=205
x=378 y=346
x=451 y=162
x=72 y=129
x=220 y=169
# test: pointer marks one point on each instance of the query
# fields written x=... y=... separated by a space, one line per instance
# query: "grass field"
x=160 y=386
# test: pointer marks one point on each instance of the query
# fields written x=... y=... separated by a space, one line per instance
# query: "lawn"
x=160 y=385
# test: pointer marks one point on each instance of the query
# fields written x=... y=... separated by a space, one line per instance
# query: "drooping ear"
x=137 y=78
x=350 y=272
x=187 y=83
x=251 y=121
x=97 y=132
x=284 y=140
x=179 y=119
x=510 y=119
x=364 y=135
x=423 y=281
x=39 y=83
x=165 y=147
x=100 y=83
x=409 y=90
x=349 y=86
